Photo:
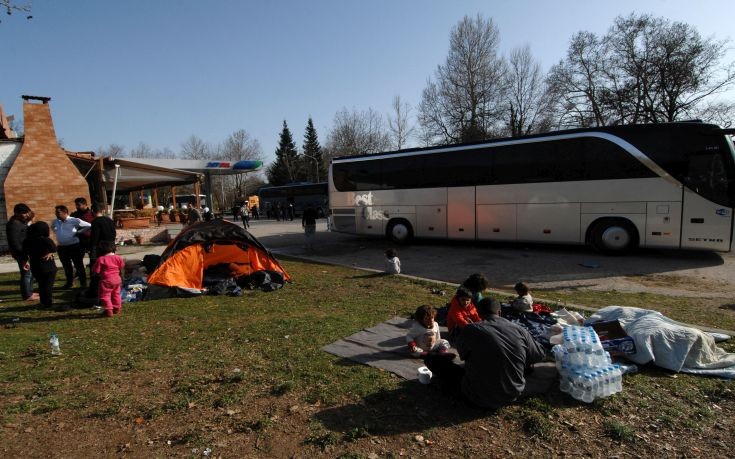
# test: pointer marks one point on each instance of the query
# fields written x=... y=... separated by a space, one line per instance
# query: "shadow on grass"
x=728 y=306
x=57 y=316
x=409 y=408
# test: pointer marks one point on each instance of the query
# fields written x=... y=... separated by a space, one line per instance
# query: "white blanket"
x=669 y=344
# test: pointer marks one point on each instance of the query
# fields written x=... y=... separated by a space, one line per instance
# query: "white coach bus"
x=656 y=185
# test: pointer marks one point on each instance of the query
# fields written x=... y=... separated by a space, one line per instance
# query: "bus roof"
x=695 y=124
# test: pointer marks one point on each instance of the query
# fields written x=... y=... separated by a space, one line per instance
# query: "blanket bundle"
x=669 y=344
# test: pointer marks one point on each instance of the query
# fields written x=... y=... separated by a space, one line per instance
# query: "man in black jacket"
x=16 y=229
x=497 y=354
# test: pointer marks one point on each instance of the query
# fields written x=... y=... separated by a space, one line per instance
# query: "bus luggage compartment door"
x=431 y=221
x=552 y=222
x=496 y=222
x=461 y=212
x=704 y=224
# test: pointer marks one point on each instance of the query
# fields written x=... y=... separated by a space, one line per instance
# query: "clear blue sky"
x=159 y=71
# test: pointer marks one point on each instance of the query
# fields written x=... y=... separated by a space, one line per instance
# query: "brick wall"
x=42 y=176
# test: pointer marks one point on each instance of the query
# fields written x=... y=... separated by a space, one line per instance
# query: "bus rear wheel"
x=400 y=231
x=614 y=236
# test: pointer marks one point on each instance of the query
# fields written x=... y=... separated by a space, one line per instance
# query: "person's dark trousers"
x=245 y=221
x=26 y=281
x=46 y=287
x=72 y=254
x=94 y=280
x=447 y=373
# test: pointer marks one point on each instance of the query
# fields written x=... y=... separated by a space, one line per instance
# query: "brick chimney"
x=42 y=176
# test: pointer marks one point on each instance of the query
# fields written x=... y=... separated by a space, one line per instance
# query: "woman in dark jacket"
x=17 y=230
x=39 y=250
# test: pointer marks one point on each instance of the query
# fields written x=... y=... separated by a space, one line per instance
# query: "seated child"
x=392 y=263
x=476 y=284
x=461 y=311
x=524 y=302
x=424 y=337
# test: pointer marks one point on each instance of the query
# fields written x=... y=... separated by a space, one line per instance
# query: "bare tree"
x=645 y=69
x=237 y=147
x=195 y=148
x=398 y=123
x=357 y=133
x=718 y=112
x=11 y=6
x=464 y=103
x=163 y=153
x=526 y=100
x=577 y=81
x=142 y=150
x=114 y=150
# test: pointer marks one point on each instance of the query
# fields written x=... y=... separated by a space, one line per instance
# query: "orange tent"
x=206 y=244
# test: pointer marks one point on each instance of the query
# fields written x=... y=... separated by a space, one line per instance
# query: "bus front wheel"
x=400 y=231
x=614 y=236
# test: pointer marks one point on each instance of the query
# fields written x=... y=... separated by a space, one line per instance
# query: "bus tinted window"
x=587 y=158
x=699 y=160
x=605 y=160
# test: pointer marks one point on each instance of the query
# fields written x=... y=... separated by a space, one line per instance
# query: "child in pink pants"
x=109 y=267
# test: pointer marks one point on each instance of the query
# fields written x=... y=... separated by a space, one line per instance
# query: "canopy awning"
x=133 y=175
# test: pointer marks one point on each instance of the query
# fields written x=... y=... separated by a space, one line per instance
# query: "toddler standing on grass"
x=392 y=263
x=109 y=267
x=424 y=337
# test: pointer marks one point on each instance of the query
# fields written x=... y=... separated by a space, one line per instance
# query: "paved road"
x=683 y=273
x=698 y=274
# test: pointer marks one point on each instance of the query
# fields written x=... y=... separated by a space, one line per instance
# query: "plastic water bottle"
x=576 y=380
x=565 y=384
x=587 y=396
x=54 y=342
x=630 y=368
x=617 y=378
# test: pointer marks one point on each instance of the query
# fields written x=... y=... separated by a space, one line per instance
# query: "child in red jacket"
x=461 y=311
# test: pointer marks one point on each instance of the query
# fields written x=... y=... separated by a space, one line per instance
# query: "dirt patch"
x=411 y=420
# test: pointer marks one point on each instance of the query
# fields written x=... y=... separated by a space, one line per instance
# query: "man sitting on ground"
x=497 y=353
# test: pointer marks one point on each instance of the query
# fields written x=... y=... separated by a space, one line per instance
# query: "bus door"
x=461 y=212
x=705 y=225
x=707 y=217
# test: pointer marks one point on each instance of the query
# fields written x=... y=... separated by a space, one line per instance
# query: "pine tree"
x=285 y=168
x=312 y=159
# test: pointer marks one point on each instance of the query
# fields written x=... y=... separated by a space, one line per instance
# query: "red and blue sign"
x=238 y=165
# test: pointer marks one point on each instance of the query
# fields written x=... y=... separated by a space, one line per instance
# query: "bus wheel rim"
x=615 y=237
x=399 y=232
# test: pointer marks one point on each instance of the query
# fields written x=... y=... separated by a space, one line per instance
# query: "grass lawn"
x=246 y=377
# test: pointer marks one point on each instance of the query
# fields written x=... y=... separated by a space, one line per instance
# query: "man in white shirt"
x=67 y=230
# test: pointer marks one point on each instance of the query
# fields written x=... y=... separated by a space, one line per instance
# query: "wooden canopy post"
x=196 y=195
x=155 y=196
x=130 y=199
x=173 y=196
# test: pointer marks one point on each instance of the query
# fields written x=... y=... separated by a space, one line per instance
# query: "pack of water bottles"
x=586 y=371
